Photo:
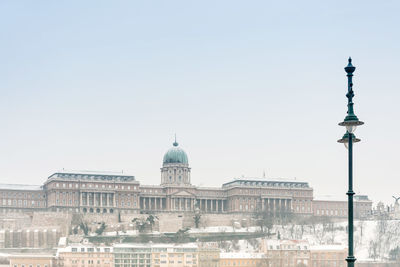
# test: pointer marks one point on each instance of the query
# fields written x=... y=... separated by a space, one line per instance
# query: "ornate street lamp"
x=350 y=122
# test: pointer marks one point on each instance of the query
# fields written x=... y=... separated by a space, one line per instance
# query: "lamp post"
x=350 y=122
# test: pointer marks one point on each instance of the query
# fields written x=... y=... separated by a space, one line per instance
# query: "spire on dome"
x=175 y=143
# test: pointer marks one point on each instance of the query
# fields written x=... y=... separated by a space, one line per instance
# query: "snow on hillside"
x=372 y=239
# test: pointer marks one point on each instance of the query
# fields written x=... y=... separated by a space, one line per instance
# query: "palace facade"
x=93 y=192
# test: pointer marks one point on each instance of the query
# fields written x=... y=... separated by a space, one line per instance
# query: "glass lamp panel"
x=351 y=128
x=346 y=144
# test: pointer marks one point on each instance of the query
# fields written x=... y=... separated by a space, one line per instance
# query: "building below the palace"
x=277 y=253
x=93 y=192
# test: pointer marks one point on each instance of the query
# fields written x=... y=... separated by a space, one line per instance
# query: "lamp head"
x=345 y=139
x=350 y=68
x=351 y=122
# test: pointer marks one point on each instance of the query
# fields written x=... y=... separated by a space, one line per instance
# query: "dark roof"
x=266 y=183
x=93 y=176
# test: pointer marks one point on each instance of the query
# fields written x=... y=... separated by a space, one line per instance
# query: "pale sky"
x=247 y=86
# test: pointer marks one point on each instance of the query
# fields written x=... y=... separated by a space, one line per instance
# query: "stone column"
x=206 y=205
x=216 y=205
x=223 y=209
x=273 y=205
x=101 y=200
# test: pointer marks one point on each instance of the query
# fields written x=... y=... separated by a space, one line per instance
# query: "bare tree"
x=151 y=219
x=373 y=249
x=197 y=218
x=101 y=229
x=84 y=227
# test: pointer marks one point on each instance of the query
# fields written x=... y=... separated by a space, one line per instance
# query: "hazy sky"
x=247 y=86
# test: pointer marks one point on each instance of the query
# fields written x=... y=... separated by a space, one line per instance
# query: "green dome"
x=175 y=155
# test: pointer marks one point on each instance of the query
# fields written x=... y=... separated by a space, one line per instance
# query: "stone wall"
x=33 y=238
x=15 y=220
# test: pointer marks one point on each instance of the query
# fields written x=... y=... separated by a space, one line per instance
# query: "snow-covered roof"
x=241 y=255
x=329 y=198
x=92 y=176
x=327 y=247
x=342 y=198
x=25 y=187
x=286 y=244
x=83 y=248
x=30 y=256
x=157 y=245
x=267 y=183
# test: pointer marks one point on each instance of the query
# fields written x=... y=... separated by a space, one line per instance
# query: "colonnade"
x=152 y=203
x=276 y=205
x=211 y=205
x=97 y=199
x=181 y=204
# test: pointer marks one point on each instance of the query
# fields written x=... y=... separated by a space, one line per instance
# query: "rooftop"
x=266 y=183
x=340 y=199
x=241 y=255
x=155 y=245
x=25 y=187
x=93 y=176
x=328 y=247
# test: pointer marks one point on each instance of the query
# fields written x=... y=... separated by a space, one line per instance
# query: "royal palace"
x=94 y=192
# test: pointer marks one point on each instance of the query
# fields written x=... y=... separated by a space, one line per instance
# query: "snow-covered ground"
x=372 y=239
